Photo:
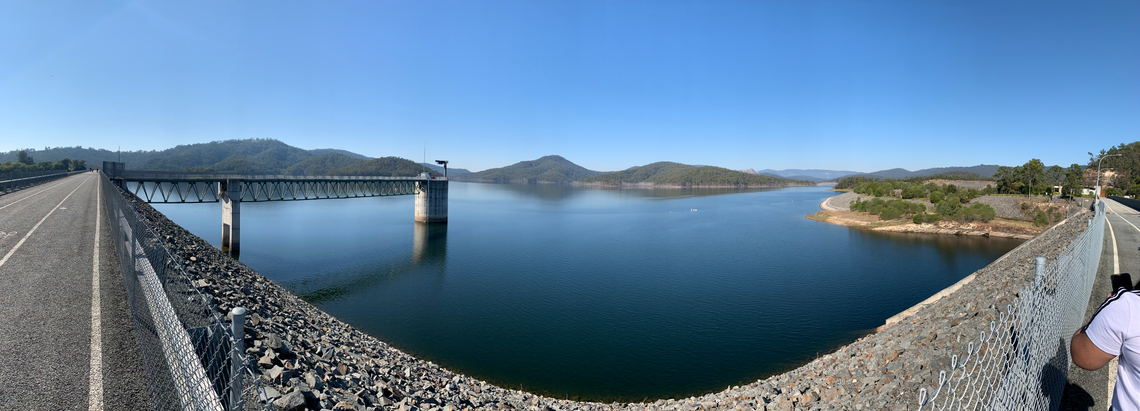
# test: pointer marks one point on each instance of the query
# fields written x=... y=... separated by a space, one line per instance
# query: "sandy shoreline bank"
x=834 y=213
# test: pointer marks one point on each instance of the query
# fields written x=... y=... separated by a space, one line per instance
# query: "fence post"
x=236 y=365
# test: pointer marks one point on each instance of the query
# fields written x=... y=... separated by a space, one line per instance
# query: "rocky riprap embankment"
x=310 y=360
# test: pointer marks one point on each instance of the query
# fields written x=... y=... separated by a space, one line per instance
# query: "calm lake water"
x=598 y=294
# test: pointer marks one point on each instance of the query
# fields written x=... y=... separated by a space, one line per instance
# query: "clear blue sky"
x=854 y=85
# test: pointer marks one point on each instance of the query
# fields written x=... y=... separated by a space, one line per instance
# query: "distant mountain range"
x=985 y=171
x=798 y=174
x=556 y=169
x=669 y=173
x=254 y=156
x=268 y=156
x=548 y=169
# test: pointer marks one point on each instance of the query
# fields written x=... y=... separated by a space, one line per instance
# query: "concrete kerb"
x=958 y=285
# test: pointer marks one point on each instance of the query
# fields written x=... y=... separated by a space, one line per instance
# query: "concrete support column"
x=431 y=201
x=230 y=191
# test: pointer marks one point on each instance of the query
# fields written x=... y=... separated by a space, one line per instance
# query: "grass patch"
x=1009 y=222
x=820 y=216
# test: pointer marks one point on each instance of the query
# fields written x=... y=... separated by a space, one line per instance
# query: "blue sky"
x=853 y=85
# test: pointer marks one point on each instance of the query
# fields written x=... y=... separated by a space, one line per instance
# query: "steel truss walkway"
x=163 y=187
x=233 y=189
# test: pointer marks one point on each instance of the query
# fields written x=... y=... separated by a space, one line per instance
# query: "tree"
x=66 y=163
x=1034 y=173
x=23 y=157
x=1054 y=176
x=913 y=192
x=950 y=206
x=1074 y=179
x=1006 y=177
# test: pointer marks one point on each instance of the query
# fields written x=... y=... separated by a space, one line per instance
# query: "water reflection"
x=951 y=249
x=429 y=244
x=429 y=255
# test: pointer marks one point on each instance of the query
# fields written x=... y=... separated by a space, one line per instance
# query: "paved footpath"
x=67 y=341
x=1092 y=390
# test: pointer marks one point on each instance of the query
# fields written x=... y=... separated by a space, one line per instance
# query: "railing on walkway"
x=14 y=181
x=1023 y=361
x=188 y=351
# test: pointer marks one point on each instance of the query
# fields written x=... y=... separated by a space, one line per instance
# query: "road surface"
x=67 y=341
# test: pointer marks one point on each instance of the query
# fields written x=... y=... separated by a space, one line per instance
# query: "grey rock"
x=294 y=401
x=273 y=341
x=269 y=394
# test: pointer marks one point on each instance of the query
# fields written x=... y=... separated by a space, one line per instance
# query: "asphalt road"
x=1091 y=390
x=48 y=356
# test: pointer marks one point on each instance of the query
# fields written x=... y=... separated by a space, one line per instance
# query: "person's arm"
x=1086 y=354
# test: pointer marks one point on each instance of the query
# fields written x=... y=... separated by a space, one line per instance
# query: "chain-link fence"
x=191 y=358
x=1023 y=361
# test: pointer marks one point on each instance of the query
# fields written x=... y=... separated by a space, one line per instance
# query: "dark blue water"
x=595 y=293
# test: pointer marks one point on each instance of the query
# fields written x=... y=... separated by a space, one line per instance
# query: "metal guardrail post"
x=236 y=366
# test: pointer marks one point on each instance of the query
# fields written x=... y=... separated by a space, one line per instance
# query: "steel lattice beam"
x=188 y=188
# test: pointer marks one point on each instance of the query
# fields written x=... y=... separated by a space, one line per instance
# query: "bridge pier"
x=431 y=201
x=229 y=192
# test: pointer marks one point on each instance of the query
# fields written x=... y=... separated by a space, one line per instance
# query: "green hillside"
x=552 y=169
x=322 y=165
x=253 y=156
x=676 y=174
x=384 y=166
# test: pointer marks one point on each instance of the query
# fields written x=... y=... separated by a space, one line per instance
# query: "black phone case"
x=1122 y=280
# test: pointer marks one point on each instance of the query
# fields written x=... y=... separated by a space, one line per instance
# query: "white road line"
x=1112 y=365
x=95 y=402
x=1115 y=255
x=32 y=195
x=17 y=247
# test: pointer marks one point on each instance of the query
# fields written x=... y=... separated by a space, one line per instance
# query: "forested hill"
x=254 y=156
x=676 y=174
x=550 y=169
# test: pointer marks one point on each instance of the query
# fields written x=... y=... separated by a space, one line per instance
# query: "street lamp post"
x=1098 y=174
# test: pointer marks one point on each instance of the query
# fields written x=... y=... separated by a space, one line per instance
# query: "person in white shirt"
x=1114 y=330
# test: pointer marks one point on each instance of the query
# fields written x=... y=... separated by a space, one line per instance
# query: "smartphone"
x=1121 y=280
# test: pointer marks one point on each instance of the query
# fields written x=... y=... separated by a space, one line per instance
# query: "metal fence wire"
x=188 y=351
x=1023 y=361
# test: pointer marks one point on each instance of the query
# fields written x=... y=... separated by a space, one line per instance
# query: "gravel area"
x=964 y=184
x=1004 y=206
x=1007 y=206
x=314 y=361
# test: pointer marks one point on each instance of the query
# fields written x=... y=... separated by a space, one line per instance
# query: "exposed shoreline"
x=832 y=214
